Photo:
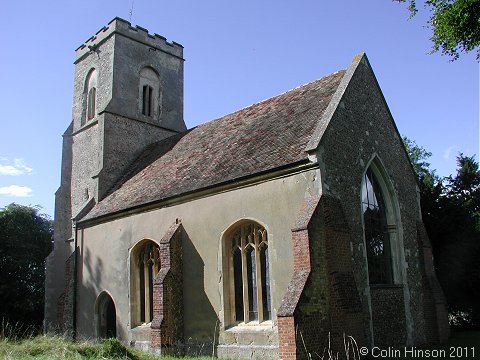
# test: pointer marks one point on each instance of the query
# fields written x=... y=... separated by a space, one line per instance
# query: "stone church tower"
x=128 y=94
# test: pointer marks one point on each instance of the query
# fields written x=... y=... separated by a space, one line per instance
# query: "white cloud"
x=17 y=168
x=15 y=190
x=9 y=170
x=448 y=152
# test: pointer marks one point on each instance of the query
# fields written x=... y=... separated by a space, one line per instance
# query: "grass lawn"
x=461 y=345
x=47 y=347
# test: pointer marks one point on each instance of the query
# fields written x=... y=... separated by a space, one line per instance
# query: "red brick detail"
x=167 y=323
x=346 y=316
x=321 y=304
x=434 y=303
x=286 y=338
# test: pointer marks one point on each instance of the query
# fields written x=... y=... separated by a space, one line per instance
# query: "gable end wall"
x=360 y=129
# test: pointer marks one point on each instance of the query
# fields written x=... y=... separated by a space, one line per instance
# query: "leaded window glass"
x=251 y=288
x=148 y=264
x=377 y=238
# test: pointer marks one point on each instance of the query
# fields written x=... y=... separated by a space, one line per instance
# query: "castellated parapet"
x=137 y=33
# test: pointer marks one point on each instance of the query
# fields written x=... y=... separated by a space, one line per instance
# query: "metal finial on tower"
x=131 y=11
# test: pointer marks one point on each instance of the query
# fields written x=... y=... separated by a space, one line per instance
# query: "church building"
x=290 y=227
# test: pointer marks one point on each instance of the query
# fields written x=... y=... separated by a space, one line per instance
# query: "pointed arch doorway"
x=106 y=317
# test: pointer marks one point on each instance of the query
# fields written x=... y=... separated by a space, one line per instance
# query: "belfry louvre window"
x=249 y=274
x=377 y=237
x=149 y=93
x=146 y=266
x=147 y=99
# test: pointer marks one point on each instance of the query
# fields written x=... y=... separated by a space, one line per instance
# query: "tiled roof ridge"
x=268 y=99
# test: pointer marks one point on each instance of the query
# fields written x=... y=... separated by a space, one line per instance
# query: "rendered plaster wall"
x=104 y=255
x=361 y=128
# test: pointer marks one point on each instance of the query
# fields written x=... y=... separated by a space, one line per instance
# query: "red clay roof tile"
x=262 y=137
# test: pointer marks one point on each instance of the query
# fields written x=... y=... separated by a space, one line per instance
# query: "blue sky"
x=237 y=53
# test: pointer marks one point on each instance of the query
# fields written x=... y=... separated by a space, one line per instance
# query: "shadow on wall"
x=87 y=319
x=201 y=323
x=87 y=262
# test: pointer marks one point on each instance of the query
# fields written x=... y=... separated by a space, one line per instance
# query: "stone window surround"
x=149 y=79
x=394 y=227
x=228 y=286
x=90 y=103
x=135 y=297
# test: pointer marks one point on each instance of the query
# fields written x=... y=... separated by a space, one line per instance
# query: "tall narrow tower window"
x=149 y=94
x=147 y=100
x=90 y=96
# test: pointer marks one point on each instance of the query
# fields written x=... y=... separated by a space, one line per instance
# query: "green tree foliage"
x=451 y=213
x=455 y=25
x=418 y=157
x=25 y=241
x=459 y=243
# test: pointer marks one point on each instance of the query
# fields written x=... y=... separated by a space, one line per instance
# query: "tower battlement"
x=136 y=33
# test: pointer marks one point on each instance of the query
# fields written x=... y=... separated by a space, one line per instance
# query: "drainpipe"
x=74 y=300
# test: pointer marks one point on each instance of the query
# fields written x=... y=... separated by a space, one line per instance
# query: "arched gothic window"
x=379 y=228
x=145 y=264
x=91 y=94
x=149 y=92
x=248 y=274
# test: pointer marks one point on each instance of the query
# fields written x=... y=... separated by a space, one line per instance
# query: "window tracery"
x=249 y=274
x=376 y=231
x=146 y=264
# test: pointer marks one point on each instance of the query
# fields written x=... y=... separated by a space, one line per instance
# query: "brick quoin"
x=321 y=303
x=167 y=324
